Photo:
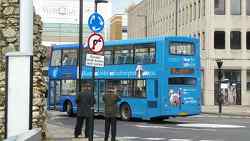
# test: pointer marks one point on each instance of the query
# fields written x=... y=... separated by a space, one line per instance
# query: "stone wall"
x=9 y=42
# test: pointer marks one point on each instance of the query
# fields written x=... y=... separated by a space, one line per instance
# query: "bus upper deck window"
x=145 y=54
x=56 y=58
x=181 y=48
x=69 y=57
x=108 y=57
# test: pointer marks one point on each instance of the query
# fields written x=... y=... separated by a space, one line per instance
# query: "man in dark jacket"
x=110 y=99
x=85 y=100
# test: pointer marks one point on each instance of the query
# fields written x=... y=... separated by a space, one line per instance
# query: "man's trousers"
x=79 y=124
x=110 y=121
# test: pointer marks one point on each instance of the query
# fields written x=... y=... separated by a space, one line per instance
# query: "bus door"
x=54 y=94
x=100 y=96
x=152 y=98
x=139 y=99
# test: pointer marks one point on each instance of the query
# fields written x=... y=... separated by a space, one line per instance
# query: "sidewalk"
x=235 y=110
x=59 y=133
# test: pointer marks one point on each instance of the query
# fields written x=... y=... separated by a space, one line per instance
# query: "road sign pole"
x=80 y=46
x=93 y=92
x=95 y=44
x=95 y=6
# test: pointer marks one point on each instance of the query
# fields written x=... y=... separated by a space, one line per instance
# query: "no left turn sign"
x=95 y=42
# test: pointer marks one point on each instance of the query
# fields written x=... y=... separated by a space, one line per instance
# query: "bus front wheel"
x=69 y=109
x=125 y=112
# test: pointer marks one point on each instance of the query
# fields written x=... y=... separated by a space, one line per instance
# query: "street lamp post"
x=219 y=64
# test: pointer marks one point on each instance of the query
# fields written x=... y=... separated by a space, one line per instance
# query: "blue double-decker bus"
x=155 y=77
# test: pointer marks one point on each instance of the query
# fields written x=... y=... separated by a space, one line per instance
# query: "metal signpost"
x=220 y=98
x=95 y=44
x=80 y=45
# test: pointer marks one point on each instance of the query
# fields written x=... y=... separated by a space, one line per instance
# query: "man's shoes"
x=77 y=135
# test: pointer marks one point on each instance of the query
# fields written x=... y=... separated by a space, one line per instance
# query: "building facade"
x=118 y=27
x=224 y=32
x=61 y=19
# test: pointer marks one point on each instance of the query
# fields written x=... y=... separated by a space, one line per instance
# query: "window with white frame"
x=219 y=7
x=235 y=7
x=248 y=7
x=235 y=40
x=219 y=39
x=248 y=40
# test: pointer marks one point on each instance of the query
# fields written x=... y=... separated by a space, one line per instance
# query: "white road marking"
x=179 y=140
x=147 y=126
x=211 y=140
x=198 y=125
x=155 y=139
x=175 y=128
x=222 y=116
x=128 y=138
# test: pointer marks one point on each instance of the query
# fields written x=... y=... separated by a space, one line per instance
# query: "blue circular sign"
x=96 y=22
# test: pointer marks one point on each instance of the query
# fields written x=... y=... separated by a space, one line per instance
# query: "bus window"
x=129 y=88
x=68 y=87
x=69 y=57
x=151 y=58
x=56 y=58
x=140 y=88
x=126 y=88
x=181 y=48
x=156 y=88
x=124 y=56
x=144 y=54
x=181 y=81
x=108 y=57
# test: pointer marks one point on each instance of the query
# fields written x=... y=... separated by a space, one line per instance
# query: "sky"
x=118 y=6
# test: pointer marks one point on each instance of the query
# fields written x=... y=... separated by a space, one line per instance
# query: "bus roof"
x=131 y=41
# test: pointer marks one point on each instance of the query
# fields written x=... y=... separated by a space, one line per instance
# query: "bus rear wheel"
x=69 y=109
x=125 y=112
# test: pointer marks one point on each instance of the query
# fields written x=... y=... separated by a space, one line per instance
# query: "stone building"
x=224 y=32
x=9 y=42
